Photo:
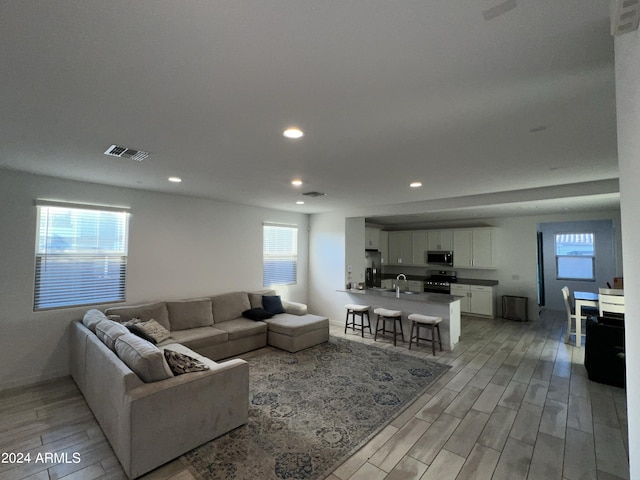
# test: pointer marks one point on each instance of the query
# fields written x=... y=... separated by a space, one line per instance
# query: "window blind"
x=81 y=256
x=280 y=255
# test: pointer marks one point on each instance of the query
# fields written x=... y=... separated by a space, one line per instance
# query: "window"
x=575 y=256
x=81 y=255
x=280 y=254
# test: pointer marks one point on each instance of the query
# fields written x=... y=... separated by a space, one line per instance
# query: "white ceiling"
x=386 y=92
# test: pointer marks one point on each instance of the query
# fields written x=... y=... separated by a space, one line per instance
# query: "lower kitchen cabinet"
x=476 y=299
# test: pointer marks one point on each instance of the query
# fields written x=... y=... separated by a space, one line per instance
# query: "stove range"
x=440 y=282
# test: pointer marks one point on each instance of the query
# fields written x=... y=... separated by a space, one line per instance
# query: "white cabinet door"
x=462 y=248
x=416 y=286
x=384 y=247
x=418 y=247
x=440 y=240
x=400 y=248
x=482 y=248
x=473 y=248
x=481 y=300
x=372 y=238
x=462 y=291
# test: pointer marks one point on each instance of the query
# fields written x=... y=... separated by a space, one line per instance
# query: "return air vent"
x=124 y=152
x=625 y=16
x=314 y=194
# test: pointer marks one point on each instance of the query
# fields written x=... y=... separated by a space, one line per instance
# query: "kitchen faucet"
x=398 y=283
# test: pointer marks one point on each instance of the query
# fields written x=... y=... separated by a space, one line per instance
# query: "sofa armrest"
x=294 y=308
x=183 y=412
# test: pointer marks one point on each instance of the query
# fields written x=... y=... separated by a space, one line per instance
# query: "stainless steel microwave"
x=437 y=257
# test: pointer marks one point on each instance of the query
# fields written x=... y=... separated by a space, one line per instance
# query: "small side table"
x=514 y=308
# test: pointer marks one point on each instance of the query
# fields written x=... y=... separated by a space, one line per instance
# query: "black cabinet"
x=604 y=350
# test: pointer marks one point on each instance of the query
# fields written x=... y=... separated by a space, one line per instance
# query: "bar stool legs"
x=385 y=315
x=360 y=311
x=425 y=321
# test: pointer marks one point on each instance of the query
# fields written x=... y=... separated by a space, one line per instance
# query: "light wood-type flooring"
x=516 y=404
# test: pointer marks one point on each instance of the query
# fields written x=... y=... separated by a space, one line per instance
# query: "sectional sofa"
x=151 y=416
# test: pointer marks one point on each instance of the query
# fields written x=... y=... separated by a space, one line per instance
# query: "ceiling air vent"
x=314 y=194
x=124 y=152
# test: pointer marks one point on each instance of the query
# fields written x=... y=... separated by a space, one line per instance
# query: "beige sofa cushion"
x=294 y=325
x=255 y=298
x=196 y=338
x=144 y=358
x=242 y=327
x=92 y=318
x=156 y=311
x=229 y=306
x=108 y=331
x=190 y=314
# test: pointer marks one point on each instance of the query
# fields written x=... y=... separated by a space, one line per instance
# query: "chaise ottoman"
x=294 y=332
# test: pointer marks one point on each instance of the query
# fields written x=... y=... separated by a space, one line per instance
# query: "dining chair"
x=610 y=304
x=572 y=320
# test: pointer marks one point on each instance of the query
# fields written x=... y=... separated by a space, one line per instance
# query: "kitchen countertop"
x=473 y=281
x=415 y=297
x=464 y=281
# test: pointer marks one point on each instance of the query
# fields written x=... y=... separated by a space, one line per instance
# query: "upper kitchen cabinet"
x=473 y=248
x=419 y=246
x=440 y=240
x=372 y=238
x=400 y=248
x=384 y=247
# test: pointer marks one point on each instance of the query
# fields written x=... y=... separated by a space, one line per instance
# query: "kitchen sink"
x=406 y=292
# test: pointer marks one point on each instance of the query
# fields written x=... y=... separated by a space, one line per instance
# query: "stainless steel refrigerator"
x=373 y=273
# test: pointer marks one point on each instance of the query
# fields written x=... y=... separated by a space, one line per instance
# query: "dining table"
x=583 y=299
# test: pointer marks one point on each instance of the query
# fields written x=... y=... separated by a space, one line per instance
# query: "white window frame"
x=73 y=269
x=575 y=257
x=283 y=250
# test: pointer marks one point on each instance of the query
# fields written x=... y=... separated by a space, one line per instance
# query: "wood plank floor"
x=516 y=404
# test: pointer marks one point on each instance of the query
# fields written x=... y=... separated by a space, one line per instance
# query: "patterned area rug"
x=310 y=410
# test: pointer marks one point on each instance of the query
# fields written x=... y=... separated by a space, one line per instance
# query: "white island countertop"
x=404 y=295
x=433 y=304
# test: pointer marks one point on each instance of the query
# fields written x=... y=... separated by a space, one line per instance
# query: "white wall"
x=627 y=50
x=179 y=247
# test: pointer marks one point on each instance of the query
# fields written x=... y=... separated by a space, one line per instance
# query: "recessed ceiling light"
x=296 y=182
x=175 y=179
x=415 y=184
x=299 y=202
x=293 y=133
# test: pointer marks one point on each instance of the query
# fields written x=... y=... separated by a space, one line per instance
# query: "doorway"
x=580 y=255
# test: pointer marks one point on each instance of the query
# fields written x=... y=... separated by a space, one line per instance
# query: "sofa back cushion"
x=145 y=359
x=155 y=311
x=108 y=331
x=255 y=298
x=229 y=306
x=92 y=318
x=190 y=314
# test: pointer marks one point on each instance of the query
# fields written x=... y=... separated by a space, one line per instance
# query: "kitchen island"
x=434 y=304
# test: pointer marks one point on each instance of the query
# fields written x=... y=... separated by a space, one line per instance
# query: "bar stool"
x=389 y=315
x=361 y=311
x=425 y=321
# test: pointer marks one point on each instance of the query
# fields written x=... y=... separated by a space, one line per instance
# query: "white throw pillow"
x=144 y=358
